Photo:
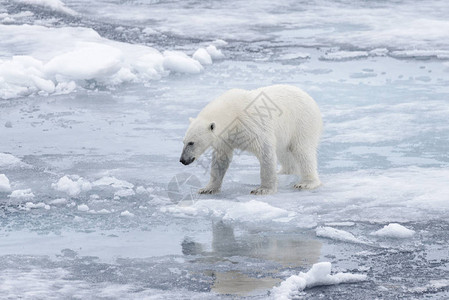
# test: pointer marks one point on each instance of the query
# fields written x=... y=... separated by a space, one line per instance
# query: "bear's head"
x=199 y=137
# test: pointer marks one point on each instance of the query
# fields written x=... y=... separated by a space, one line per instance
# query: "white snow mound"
x=114 y=182
x=83 y=207
x=202 y=56
x=126 y=214
x=55 y=5
x=251 y=211
x=4 y=183
x=73 y=185
x=10 y=161
x=433 y=286
x=394 y=230
x=59 y=60
x=89 y=61
x=214 y=52
x=319 y=274
x=59 y=201
x=344 y=55
x=31 y=205
x=124 y=193
x=337 y=234
x=179 y=62
x=25 y=194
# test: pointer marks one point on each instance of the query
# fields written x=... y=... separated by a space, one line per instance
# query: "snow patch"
x=124 y=193
x=126 y=214
x=72 y=185
x=214 y=52
x=4 y=183
x=219 y=43
x=202 y=56
x=8 y=161
x=337 y=234
x=114 y=182
x=251 y=211
x=31 y=205
x=433 y=286
x=59 y=201
x=80 y=57
x=141 y=190
x=344 y=55
x=415 y=53
x=179 y=62
x=149 y=31
x=394 y=230
x=83 y=207
x=340 y=224
x=296 y=55
x=25 y=194
x=318 y=275
x=55 y=5
x=88 y=61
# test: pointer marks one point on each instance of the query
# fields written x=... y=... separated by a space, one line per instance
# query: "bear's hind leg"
x=289 y=164
x=268 y=178
x=306 y=160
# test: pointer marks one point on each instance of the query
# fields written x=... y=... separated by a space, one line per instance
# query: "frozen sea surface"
x=95 y=100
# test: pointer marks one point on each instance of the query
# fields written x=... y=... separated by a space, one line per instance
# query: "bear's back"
x=227 y=105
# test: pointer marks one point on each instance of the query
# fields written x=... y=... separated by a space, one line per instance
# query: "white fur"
x=288 y=132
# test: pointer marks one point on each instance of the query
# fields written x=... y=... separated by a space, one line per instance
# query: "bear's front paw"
x=308 y=185
x=262 y=191
x=208 y=190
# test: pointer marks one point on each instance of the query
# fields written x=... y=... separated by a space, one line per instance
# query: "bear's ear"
x=212 y=126
x=191 y=119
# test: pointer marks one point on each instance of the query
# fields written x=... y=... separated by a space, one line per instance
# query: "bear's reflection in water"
x=283 y=250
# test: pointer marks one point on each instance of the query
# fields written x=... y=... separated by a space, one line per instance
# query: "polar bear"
x=275 y=123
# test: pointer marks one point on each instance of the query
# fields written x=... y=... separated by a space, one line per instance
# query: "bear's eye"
x=190 y=143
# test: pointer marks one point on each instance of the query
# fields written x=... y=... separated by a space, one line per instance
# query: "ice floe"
x=73 y=185
x=319 y=274
x=394 y=230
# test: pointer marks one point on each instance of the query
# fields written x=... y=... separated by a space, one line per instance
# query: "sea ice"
x=73 y=185
x=31 y=205
x=25 y=194
x=202 y=56
x=87 y=61
x=52 y=4
x=340 y=224
x=319 y=274
x=433 y=286
x=113 y=182
x=8 y=161
x=126 y=214
x=344 y=55
x=59 y=201
x=394 y=230
x=337 y=234
x=124 y=193
x=383 y=91
x=58 y=60
x=5 y=186
x=251 y=211
x=179 y=62
x=214 y=52
x=83 y=207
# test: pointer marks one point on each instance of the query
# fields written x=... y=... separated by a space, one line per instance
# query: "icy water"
x=91 y=128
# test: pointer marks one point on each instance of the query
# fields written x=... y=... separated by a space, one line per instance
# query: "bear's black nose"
x=187 y=162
